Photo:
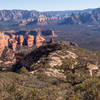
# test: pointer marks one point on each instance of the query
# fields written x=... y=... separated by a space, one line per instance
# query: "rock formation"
x=30 y=40
x=39 y=40
x=7 y=59
x=13 y=42
x=42 y=18
x=92 y=67
x=20 y=40
x=3 y=42
x=14 y=45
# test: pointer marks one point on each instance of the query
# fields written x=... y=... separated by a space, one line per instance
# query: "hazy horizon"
x=51 y=10
x=51 y=5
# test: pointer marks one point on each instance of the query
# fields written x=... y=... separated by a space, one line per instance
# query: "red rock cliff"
x=30 y=40
x=3 y=42
x=21 y=40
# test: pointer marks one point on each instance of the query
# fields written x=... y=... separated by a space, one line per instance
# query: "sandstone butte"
x=11 y=41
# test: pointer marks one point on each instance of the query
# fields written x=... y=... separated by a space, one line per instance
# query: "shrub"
x=23 y=70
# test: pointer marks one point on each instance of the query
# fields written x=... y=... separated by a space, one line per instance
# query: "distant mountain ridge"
x=83 y=18
x=69 y=12
x=6 y=15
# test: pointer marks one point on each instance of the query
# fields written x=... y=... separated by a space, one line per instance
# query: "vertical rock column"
x=6 y=40
x=13 y=42
x=52 y=33
x=2 y=46
x=14 y=45
x=3 y=42
x=39 y=40
x=52 y=36
x=30 y=40
x=21 y=40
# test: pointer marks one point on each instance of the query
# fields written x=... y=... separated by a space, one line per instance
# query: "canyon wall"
x=28 y=38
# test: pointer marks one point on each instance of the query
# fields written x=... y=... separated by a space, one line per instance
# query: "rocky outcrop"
x=14 y=45
x=10 y=43
x=55 y=61
x=39 y=40
x=42 y=18
x=34 y=32
x=3 y=42
x=59 y=55
x=56 y=58
x=21 y=40
x=30 y=40
x=91 y=68
x=13 y=42
x=25 y=22
x=7 y=59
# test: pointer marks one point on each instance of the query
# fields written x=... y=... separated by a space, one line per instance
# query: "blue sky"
x=49 y=5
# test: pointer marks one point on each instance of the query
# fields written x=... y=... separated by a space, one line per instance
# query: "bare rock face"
x=6 y=40
x=21 y=40
x=24 y=22
x=42 y=19
x=92 y=67
x=39 y=40
x=3 y=42
x=8 y=54
x=33 y=38
x=7 y=59
x=13 y=37
x=55 y=61
x=13 y=42
x=30 y=40
x=14 y=45
x=53 y=33
x=1 y=46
